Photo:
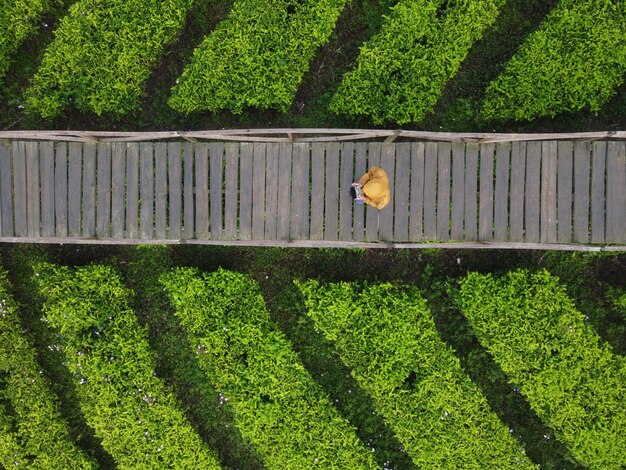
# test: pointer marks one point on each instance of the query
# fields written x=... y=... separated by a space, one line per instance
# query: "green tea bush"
x=387 y=336
x=575 y=60
x=139 y=421
x=257 y=56
x=32 y=432
x=102 y=54
x=573 y=382
x=402 y=70
x=277 y=405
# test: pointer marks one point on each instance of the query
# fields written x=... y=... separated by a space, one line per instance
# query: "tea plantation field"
x=214 y=357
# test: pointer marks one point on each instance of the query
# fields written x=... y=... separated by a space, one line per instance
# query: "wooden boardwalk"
x=509 y=194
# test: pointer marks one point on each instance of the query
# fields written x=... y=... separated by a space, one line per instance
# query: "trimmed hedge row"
x=257 y=56
x=103 y=53
x=32 y=431
x=139 y=421
x=574 y=383
x=575 y=60
x=402 y=70
x=387 y=336
x=277 y=405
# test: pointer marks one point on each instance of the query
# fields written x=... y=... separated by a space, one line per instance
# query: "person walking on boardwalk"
x=372 y=188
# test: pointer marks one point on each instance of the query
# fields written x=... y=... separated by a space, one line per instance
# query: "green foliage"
x=34 y=435
x=139 y=421
x=536 y=335
x=257 y=56
x=277 y=405
x=387 y=336
x=401 y=72
x=102 y=55
x=575 y=60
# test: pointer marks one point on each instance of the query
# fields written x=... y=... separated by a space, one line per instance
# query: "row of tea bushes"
x=257 y=56
x=102 y=55
x=401 y=72
x=277 y=405
x=575 y=60
x=139 y=421
x=32 y=431
x=573 y=381
x=387 y=337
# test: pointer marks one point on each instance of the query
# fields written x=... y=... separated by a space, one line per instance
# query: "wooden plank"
x=89 y=190
x=372 y=215
x=598 y=175
x=74 y=190
x=485 y=219
x=470 y=211
x=118 y=189
x=458 y=191
x=317 y=191
x=60 y=189
x=271 y=191
x=146 y=217
x=401 y=192
x=201 y=188
x=443 y=190
x=388 y=163
x=231 y=151
x=358 y=225
x=216 y=172
x=518 y=173
x=345 y=199
x=175 y=197
x=331 y=200
x=582 y=170
x=300 y=193
x=532 y=199
x=160 y=190
x=20 y=224
x=46 y=167
x=132 y=190
x=188 y=208
x=501 y=201
x=33 y=197
x=565 y=168
x=245 y=191
x=430 y=191
x=258 y=190
x=616 y=193
x=6 y=191
x=548 y=191
x=103 y=191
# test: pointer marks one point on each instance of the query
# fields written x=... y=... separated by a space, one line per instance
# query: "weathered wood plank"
x=175 y=185
x=20 y=224
x=388 y=163
x=443 y=190
x=103 y=190
x=188 y=192
x=271 y=191
x=284 y=191
x=300 y=192
x=146 y=217
x=201 y=190
x=345 y=200
x=416 y=199
x=518 y=173
x=548 y=191
x=46 y=174
x=6 y=191
x=245 y=191
x=89 y=190
x=317 y=191
x=401 y=192
x=616 y=192
x=470 y=210
x=430 y=191
x=598 y=175
x=331 y=199
x=501 y=200
x=132 y=190
x=231 y=203
x=458 y=191
x=216 y=172
x=565 y=185
x=118 y=189
x=360 y=167
x=372 y=215
x=74 y=190
x=582 y=170
x=533 y=192
x=258 y=190
x=33 y=197
x=485 y=219
x=160 y=190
